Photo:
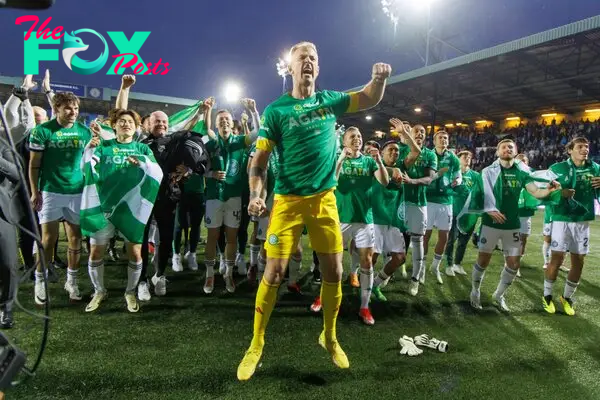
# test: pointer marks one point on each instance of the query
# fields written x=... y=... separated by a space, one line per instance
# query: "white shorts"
x=571 y=236
x=416 y=218
x=103 y=236
x=547 y=231
x=489 y=237
x=56 y=206
x=263 y=222
x=219 y=213
x=388 y=239
x=525 y=225
x=361 y=233
x=439 y=216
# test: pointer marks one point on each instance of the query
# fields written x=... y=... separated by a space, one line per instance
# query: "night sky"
x=209 y=42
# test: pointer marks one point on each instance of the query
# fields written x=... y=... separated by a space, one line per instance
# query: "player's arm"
x=457 y=175
x=381 y=174
x=425 y=181
x=258 y=173
x=340 y=162
x=372 y=93
x=250 y=105
x=48 y=91
x=127 y=81
x=35 y=163
x=542 y=193
x=403 y=128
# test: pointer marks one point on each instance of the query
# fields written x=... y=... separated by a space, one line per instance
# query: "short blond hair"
x=300 y=45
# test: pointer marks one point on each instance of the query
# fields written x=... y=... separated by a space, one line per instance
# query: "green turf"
x=188 y=345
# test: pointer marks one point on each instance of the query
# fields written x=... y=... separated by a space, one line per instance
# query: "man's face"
x=159 y=124
x=353 y=139
x=390 y=154
x=224 y=123
x=304 y=65
x=146 y=125
x=441 y=140
x=125 y=126
x=465 y=160
x=68 y=113
x=40 y=115
x=418 y=133
x=580 y=152
x=507 y=151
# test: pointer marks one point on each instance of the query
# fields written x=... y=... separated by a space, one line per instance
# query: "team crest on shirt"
x=297 y=107
x=234 y=168
x=273 y=239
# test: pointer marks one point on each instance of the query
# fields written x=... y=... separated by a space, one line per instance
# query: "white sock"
x=548 y=287
x=417 y=255
x=381 y=276
x=570 y=288
x=254 y=250
x=507 y=276
x=437 y=260
x=294 y=268
x=355 y=261
x=39 y=276
x=477 y=277
x=134 y=271
x=72 y=275
x=229 y=264
x=210 y=268
x=366 y=286
x=546 y=252
x=96 y=272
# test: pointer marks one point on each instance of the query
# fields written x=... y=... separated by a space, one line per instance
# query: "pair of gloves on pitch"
x=409 y=345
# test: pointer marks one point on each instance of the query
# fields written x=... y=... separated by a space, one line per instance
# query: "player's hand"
x=181 y=172
x=219 y=175
x=396 y=175
x=596 y=182
x=375 y=154
x=257 y=207
x=28 y=82
x=344 y=154
x=455 y=183
x=381 y=72
x=567 y=193
x=497 y=216
x=249 y=104
x=407 y=179
x=244 y=118
x=209 y=103
x=127 y=81
x=36 y=201
x=133 y=161
x=46 y=81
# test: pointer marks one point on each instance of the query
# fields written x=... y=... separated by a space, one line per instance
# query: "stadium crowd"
x=151 y=180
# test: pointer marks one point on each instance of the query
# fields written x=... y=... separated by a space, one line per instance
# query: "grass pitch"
x=187 y=345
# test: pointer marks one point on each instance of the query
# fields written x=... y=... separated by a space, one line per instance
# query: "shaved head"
x=40 y=115
x=159 y=124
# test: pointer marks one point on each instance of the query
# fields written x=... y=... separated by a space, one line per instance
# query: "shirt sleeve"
x=431 y=161
x=341 y=102
x=38 y=139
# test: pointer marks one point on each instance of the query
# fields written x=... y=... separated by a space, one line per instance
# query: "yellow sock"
x=331 y=298
x=266 y=297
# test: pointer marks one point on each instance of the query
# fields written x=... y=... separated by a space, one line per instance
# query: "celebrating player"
x=580 y=179
x=301 y=126
x=502 y=185
x=439 y=201
x=56 y=182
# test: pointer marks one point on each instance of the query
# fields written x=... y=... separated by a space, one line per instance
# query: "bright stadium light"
x=481 y=121
x=418 y=110
x=593 y=110
x=232 y=92
x=513 y=118
x=549 y=115
x=368 y=118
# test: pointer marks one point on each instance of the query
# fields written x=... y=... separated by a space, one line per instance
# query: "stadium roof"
x=553 y=71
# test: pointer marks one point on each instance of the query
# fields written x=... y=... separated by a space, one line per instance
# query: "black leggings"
x=164 y=214
x=190 y=211
x=8 y=263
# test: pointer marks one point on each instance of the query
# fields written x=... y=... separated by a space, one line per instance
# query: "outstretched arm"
x=372 y=93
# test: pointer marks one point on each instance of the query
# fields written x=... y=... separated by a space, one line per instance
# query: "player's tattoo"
x=254 y=194
x=257 y=171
